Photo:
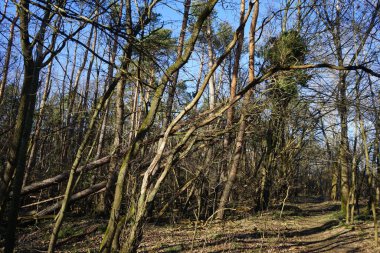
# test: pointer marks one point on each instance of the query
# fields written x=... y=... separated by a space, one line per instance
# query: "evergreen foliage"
x=287 y=49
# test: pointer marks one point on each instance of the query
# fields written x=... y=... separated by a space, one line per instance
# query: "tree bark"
x=7 y=60
x=16 y=160
x=145 y=126
x=63 y=176
x=172 y=87
x=235 y=77
x=77 y=196
x=119 y=119
x=149 y=187
x=36 y=135
x=242 y=122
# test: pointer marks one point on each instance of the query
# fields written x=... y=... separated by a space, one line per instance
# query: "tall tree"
x=44 y=54
x=236 y=158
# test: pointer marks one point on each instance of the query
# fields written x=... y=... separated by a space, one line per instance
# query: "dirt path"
x=310 y=227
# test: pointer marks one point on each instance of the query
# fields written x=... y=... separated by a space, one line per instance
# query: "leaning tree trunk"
x=73 y=171
x=80 y=152
x=231 y=111
x=150 y=186
x=242 y=122
x=145 y=126
x=235 y=77
x=119 y=119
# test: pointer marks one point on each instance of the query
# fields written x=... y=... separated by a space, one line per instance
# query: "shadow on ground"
x=243 y=240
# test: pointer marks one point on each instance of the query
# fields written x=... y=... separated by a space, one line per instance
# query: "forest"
x=189 y=125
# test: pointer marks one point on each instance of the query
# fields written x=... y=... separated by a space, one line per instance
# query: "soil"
x=305 y=227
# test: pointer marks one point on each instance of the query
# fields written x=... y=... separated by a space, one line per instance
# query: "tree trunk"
x=63 y=176
x=370 y=178
x=145 y=126
x=16 y=160
x=342 y=110
x=235 y=77
x=119 y=119
x=172 y=87
x=17 y=156
x=75 y=197
x=36 y=135
x=7 y=60
x=149 y=187
x=211 y=84
x=242 y=124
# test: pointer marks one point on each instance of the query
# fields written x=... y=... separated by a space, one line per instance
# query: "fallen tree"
x=64 y=176
x=99 y=187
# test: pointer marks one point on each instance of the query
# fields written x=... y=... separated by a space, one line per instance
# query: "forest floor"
x=305 y=227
